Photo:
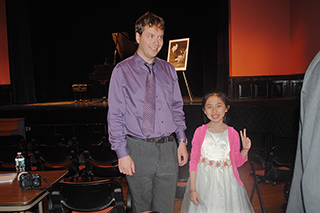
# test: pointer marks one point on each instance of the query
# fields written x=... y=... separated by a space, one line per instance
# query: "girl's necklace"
x=215 y=142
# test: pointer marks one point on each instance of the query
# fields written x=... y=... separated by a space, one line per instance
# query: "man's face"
x=150 y=43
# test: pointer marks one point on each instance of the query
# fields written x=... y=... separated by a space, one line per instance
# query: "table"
x=14 y=198
x=11 y=126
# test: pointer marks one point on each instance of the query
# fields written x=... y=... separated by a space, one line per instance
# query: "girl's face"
x=215 y=109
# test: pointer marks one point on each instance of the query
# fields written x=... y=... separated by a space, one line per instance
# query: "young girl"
x=214 y=183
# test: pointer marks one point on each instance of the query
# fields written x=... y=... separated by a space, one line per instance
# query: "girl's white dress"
x=216 y=185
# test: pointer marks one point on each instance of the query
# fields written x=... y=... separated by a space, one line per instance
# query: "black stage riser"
x=264 y=123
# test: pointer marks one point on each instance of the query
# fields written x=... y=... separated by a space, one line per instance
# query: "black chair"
x=44 y=138
x=101 y=162
x=85 y=140
x=182 y=181
x=9 y=146
x=61 y=157
x=276 y=166
x=86 y=196
x=53 y=139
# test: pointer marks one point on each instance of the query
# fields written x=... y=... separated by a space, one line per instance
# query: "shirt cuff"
x=181 y=134
x=122 y=152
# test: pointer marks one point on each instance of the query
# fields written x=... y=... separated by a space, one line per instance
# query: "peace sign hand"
x=246 y=141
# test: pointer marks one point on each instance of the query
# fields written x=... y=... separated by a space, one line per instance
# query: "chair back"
x=57 y=157
x=276 y=166
x=85 y=140
x=284 y=155
x=102 y=153
x=54 y=154
x=49 y=139
x=87 y=196
x=101 y=162
x=279 y=164
x=6 y=140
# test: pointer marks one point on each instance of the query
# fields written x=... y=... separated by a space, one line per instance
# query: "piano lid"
x=125 y=47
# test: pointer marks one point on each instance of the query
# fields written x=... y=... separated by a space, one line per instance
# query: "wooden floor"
x=272 y=195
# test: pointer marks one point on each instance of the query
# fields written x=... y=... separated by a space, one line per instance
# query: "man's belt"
x=155 y=140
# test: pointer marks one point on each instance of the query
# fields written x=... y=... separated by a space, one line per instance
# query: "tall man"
x=305 y=189
x=145 y=109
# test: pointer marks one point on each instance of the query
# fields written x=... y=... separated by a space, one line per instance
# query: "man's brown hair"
x=149 y=19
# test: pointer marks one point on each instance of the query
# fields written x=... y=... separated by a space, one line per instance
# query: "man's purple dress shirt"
x=126 y=99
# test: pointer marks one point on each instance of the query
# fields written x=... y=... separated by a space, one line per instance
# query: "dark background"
x=54 y=44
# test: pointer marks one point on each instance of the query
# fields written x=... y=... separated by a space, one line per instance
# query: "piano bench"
x=79 y=89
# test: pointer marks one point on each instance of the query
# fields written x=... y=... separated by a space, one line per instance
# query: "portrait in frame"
x=178 y=53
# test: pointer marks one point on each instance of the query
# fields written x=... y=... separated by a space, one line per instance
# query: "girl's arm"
x=195 y=150
x=194 y=197
x=244 y=153
x=238 y=158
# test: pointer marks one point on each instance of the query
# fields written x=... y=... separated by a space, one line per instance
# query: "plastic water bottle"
x=20 y=163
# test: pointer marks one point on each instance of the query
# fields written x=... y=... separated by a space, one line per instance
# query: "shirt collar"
x=140 y=62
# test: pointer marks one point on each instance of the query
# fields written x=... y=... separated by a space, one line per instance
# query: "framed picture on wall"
x=178 y=53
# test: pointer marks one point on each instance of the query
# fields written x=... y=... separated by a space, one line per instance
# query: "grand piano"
x=124 y=47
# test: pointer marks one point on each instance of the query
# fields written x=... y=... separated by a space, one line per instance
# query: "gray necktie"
x=149 y=106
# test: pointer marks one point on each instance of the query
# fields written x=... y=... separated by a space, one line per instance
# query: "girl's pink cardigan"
x=235 y=155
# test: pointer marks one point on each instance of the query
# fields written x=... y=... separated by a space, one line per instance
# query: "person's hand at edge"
x=126 y=165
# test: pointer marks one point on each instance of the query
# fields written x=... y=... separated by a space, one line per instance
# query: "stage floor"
x=99 y=103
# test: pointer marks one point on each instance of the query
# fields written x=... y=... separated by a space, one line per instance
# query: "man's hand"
x=183 y=154
x=126 y=165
